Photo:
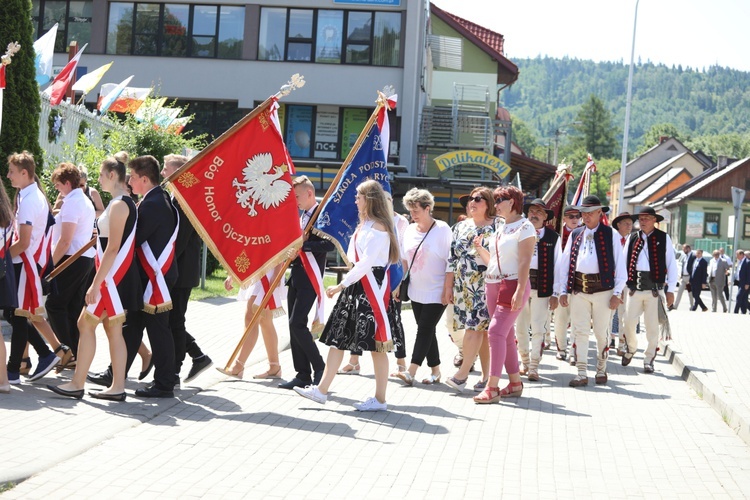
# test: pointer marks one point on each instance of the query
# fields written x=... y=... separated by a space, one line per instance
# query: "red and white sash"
x=379 y=298
x=29 y=279
x=109 y=300
x=156 y=297
x=315 y=275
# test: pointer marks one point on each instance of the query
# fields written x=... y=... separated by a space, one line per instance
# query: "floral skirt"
x=351 y=325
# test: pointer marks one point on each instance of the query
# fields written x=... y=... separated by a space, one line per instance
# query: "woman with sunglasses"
x=464 y=285
x=508 y=289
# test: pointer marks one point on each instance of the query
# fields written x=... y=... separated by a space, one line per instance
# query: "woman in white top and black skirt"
x=364 y=317
x=116 y=288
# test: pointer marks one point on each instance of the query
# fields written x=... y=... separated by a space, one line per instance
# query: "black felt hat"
x=539 y=203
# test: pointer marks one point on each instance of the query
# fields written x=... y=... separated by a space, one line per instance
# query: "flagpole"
x=381 y=102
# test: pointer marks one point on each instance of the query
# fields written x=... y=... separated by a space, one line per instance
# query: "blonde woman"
x=365 y=316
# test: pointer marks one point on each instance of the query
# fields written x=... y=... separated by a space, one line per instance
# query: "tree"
x=597 y=134
x=523 y=136
x=651 y=138
x=21 y=103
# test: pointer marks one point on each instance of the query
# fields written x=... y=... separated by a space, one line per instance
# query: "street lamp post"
x=621 y=195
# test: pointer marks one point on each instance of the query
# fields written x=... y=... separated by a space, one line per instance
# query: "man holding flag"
x=305 y=290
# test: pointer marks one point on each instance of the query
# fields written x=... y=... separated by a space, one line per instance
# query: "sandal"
x=25 y=367
x=489 y=395
x=512 y=390
x=65 y=357
x=69 y=366
x=268 y=374
x=354 y=370
x=432 y=379
x=231 y=373
x=407 y=377
x=401 y=368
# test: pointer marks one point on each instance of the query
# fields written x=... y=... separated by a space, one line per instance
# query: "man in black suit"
x=187 y=255
x=697 y=279
x=155 y=234
x=301 y=295
x=743 y=283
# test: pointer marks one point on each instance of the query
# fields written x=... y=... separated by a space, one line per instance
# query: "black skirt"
x=351 y=325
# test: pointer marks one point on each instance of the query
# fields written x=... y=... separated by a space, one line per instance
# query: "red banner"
x=556 y=202
x=238 y=194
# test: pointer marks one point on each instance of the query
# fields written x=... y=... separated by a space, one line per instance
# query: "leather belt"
x=587 y=283
x=643 y=283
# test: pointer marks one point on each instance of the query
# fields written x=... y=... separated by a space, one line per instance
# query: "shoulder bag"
x=403 y=293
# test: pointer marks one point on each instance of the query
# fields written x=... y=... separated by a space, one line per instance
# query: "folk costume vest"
x=545 y=248
x=156 y=297
x=109 y=302
x=657 y=258
x=565 y=235
x=604 y=255
x=34 y=266
x=379 y=298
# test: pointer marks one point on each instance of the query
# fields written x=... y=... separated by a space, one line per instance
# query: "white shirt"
x=535 y=257
x=588 y=263
x=76 y=209
x=712 y=267
x=737 y=270
x=685 y=263
x=506 y=241
x=642 y=263
x=428 y=271
x=400 y=223
x=305 y=218
x=32 y=211
x=372 y=247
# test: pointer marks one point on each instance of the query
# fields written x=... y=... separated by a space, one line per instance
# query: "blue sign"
x=390 y=3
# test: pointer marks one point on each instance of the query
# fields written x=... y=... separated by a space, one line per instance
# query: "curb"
x=719 y=402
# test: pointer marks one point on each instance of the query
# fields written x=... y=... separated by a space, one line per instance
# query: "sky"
x=693 y=33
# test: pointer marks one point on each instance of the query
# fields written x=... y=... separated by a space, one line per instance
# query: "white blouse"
x=372 y=248
x=506 y=242
x=428 y=271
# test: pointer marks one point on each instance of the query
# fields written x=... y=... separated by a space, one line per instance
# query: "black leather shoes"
x=152 y=392
x=62 y=392
x=104 y=378
x=199 y=366
x=107 y=396
x=295 y=382
x=626 y=359
x=317 y=375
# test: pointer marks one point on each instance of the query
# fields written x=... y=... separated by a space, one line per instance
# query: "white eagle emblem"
x=263 y=184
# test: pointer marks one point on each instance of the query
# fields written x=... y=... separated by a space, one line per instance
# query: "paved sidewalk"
x=639 y=435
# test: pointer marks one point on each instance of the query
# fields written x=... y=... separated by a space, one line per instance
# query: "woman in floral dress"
x=464 y=285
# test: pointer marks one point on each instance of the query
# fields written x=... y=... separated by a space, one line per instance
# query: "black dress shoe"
x=108 y=396
x=62 y=392
x=153 y=392
x=199 y=366
x=295 y=382
x=317 y=375
x=104 y=378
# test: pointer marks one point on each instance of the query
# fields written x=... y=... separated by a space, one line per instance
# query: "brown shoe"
x=601 y=378
x=533 y=375
x=579 y=381
x=626 y=359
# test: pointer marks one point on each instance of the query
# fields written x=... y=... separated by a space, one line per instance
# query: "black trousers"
x=741 y=304
x=305 y=354
x=697 y=302
x=400 y=349
x=23 y=332
x=162 y=344
x=180 y=298
x=426 y=344
x=64 y=305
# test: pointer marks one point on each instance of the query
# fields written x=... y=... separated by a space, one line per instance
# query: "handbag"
x=403 y=291
x=507 y=287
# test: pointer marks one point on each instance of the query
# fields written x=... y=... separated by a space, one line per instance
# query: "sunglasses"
x=573 y=216
x=499 y=200
x=476 y=199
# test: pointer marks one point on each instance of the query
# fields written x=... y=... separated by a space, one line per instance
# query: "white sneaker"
x=311 y=392
x=371 y=404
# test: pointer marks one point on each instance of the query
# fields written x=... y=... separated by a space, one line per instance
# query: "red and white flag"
x=2 y=88
x=238 y=194
x=56 y=91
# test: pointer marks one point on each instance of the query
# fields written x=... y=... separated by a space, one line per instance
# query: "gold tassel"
x=22 y=312
x=166 y=306
x=278 y=312
x=317 y=329
x=383 y=346
x=148 y=308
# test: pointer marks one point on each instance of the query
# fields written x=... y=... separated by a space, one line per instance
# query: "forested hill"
x=706 y=102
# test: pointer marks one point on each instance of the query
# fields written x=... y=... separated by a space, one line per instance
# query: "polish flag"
x=60 y=84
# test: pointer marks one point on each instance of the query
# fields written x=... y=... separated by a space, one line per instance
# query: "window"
x=330 y=36
x=299 y=130
x=175 y=30
x=746 y=227
x=711 y=224
x=211 y=117
x=73 y=18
